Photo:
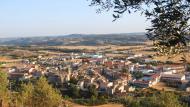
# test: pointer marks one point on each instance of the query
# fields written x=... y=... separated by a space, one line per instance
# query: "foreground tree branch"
x=170 y=28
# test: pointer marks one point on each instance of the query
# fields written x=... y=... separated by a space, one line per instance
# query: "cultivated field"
x=140 y=49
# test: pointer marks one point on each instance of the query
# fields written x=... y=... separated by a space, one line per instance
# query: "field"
x=4 y=59
x=140 y=49
x=162 y=86
x=174 y=58
x=146 y=49
x=110 y=47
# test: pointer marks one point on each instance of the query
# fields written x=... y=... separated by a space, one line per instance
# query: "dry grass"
x=71 y=104
x=105 y=105
x=110 y=105
x=175 y=58
x=7 y=59
x=22 y=53
x=139 y=49
x=163 y=86
x=112 y=47
x=4 y=59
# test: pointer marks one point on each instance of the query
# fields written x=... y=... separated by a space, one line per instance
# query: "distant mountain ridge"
x=77 y=39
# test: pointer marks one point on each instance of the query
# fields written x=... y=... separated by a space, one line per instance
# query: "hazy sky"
x=59 y=17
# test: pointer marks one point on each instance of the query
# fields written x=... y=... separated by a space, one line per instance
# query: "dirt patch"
x=70 y=104
x=105 y=105
x=163 y=86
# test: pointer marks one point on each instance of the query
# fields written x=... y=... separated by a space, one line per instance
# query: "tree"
x=26 y=94
x=169 y=26
x=93 y=100
x=4 y=92
x=92 y=91
x=125 y=70
x=75 y=92
x=40 y=94
x=169 y=19
x=188 y=67
x=73 y=81
x=162 y=99
x=138 y=74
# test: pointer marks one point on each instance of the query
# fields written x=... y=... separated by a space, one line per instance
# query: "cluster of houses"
x=107 y=74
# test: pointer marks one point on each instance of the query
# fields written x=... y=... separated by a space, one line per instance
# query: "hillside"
x=78 y=39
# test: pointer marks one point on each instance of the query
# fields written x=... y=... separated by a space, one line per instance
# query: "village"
x=108 y=75
x=95 y=53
